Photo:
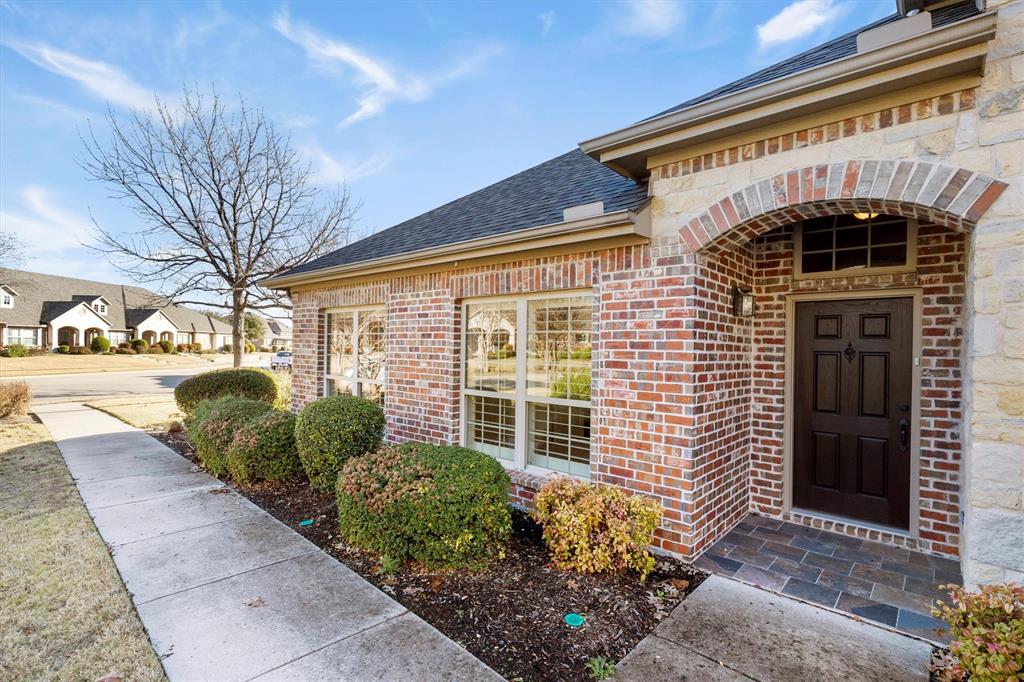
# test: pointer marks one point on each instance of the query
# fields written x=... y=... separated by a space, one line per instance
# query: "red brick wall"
x=940 y=272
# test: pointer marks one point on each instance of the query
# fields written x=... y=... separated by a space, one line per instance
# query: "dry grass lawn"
x=142 y=412
x=59 y=363
x=64 y=612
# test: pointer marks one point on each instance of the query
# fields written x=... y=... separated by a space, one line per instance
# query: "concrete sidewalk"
x=727 y=630
x=226 y=591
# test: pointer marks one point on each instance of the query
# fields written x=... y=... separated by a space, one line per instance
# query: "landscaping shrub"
x=249 y=347
x=140 y=345
x=63 y=348
x=125 y=351
x=988 y=631
x=156 y=349
x=79 y=350
x=14 y=396
x=245 y=383
x=331 y=430
x=182 y=348
x=99 y=345
x=593 y=528
x=438 y=505
x=15 y=350
x=124 y=344
x=168 y=346
x=212 y=428
x=264 y=449
x=574 y=384
x=197 y=347
x=226 y=348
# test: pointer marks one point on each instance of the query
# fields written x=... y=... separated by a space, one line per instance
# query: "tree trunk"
x=237 y=325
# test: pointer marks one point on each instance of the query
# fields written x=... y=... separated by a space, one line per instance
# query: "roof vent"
x=894 y=32
x=583 y=211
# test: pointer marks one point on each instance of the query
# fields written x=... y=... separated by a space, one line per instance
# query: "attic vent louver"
x=894 y=32
x=583 y=211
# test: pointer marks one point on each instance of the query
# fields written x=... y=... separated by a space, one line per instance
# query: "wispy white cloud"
x=380 y=83
x=648 y=19
x=42 y=224
x=547 y=21
x=98 y=78
x=797 y=20
x=329 y=169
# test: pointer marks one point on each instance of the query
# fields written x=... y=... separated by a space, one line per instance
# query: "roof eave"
x=963 y=34
x=618 y=223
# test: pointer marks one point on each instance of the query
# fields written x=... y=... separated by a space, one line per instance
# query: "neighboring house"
x=49 y=311
x=799 y=295
x=279 y=334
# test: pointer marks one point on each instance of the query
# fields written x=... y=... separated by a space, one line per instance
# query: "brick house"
x=800 y=295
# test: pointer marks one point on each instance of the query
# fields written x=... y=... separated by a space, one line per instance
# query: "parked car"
x=281 y=360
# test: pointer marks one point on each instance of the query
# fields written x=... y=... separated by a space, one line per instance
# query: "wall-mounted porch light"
x=742 y=302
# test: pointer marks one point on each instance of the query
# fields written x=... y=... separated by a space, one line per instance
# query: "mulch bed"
x=510 y=614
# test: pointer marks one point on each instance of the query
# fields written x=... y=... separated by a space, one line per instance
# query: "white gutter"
x=946 y=39
x=583 y=229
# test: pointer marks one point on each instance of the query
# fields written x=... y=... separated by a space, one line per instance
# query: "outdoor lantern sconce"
x=742 y=302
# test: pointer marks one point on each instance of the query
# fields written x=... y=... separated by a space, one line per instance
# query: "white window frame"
x=356 y=381
x=6 y=299
x=121 y=337
x=798 y=260
x=520 y=396
x=35 y=336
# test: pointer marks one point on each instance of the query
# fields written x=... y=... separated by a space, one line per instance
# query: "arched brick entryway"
x=746 y=237
x=936 y=193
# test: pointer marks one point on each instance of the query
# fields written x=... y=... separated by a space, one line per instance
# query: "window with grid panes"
x=854 y=242
x=356 y=347
x=527 y=381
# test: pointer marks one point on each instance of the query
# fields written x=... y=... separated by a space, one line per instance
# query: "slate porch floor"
x=885 y=584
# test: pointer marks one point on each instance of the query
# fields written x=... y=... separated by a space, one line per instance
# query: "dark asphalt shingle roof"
x=532 y=198
x=43 y=297
x=833 y=50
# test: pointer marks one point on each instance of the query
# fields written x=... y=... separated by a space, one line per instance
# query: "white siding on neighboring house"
x=158 y=323
x=81 y=318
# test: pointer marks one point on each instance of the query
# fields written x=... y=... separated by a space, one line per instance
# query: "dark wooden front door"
x=852 y=430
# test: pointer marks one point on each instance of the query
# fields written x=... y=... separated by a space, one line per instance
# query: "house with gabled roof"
x=48 y=311
x=792 y=302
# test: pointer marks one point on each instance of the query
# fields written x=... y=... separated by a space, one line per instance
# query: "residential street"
x=65 y=387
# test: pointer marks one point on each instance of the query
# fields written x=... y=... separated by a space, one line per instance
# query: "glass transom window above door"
x=356 y=348
x=528 y=375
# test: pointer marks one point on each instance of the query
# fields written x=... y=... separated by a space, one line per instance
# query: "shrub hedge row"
x=264 y=449
x=213 y=426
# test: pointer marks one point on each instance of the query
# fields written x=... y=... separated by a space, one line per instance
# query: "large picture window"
x=356 y=346
x=26 y=336
x=527 y=381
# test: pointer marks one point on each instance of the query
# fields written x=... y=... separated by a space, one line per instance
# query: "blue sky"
x=412 y=104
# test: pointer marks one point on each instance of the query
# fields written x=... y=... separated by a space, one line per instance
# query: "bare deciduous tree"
x=224 y=200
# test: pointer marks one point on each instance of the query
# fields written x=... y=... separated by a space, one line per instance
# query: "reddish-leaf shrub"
x=438 y=505
x=264 y=449
x=212 y=428
x=593 y=528
x=988 y=631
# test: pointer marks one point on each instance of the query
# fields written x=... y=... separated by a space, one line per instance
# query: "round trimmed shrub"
x=156 y=349
x=124 y=344
x=249 y=347
x=435 y=504
x=99 y=345
x=213 y=426
x=264 y=449
x=168 y=346
x=63 y=348
x=196 y=347
x=226 y=348
x=140 y=345
x=254 y=384
x=332 y=430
